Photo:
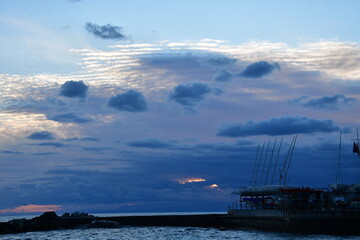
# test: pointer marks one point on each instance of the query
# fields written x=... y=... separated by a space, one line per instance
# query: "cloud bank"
x=43 y=135
x=152 y=143
x=278 y=126
x=328 y=102
x=68 y=118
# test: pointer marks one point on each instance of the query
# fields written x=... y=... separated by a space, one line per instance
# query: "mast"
x=356 y=150
x=338 y=176
x=291 y=151
x=276 y=163
x=271 y=157
x=358 y=162
x=258 y=165
x=254 y=169
x=263 y=169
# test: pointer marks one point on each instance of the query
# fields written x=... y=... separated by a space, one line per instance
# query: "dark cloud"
x=106 y=31
x=220 y=147
x=89 y=139
x=131 y=101
x=44 y=154
x=328 y=103
x=183 y=67
x=189 y=95
x=10 y=152
x=258 y=69
x=96 y=149
x=243 y=142
x=278 y=126
x=74 y=89
x=68 y=118
x=52 y=144
x=221 y=61
x=43 y=135
x=347 y=130
x=149 y=143
x=224 y=76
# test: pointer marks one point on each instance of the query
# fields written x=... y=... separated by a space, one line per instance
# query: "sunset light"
x=190 y=180
x=32 y=208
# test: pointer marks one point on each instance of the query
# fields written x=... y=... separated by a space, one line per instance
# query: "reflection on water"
x=159 y=233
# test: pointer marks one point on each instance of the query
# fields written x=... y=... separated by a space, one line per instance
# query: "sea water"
x=168 y=233
x=162 y=233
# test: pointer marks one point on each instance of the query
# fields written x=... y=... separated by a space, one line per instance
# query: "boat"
x=280 y=207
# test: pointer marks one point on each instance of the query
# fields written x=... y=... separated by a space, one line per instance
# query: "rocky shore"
x=51 y=221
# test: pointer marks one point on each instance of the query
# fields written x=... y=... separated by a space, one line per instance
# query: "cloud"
x=74 y=89
x=96 y=149
x=131 y=101
x=32 y=208
x=224 y=76
x=190 y=180
x=189 y=95
x=44 y=154
x=51 y=144
x=221 y=61
x=106 y=31
x=328 y=103
x=43 y=135
x=277 y=126
x=89 y=139
x=149 y=143
x=68 y=118
x=10 y=152
x=258 y=69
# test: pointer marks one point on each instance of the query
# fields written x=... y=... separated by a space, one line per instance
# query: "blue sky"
x=133 y=106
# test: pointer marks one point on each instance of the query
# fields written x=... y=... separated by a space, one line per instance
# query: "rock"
x=65 y=215
x=17 y=225
x=80 y=214
x=49 y=216
x=104 y=224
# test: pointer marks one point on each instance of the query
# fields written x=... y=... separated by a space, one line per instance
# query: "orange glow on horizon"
x=213 y=186
x=190 y=180
x=31 y=208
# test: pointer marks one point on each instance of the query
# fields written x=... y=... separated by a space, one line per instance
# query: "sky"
x=167 y=106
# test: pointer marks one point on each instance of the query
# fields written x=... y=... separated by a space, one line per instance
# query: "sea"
x=160 y=233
